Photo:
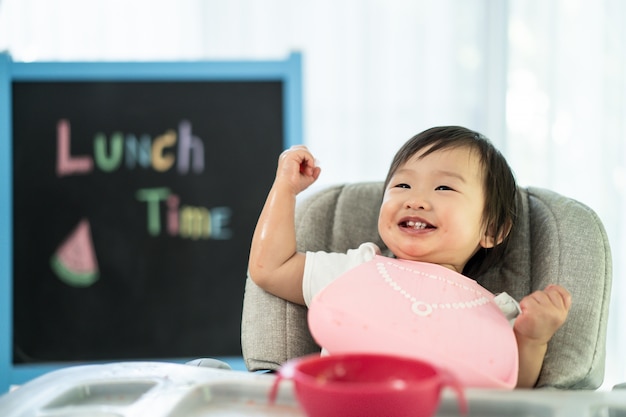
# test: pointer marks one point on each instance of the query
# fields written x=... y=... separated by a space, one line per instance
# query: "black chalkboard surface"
x=133 y=201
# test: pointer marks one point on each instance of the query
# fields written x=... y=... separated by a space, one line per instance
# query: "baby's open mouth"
x=416 y=225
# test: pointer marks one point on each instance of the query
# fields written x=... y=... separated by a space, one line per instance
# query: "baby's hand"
x=297 y=169
x=543 y=312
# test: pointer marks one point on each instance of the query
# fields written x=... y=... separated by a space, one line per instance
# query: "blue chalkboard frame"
x=288 y=71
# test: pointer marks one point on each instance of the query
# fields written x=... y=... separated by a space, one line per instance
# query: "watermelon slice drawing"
x=75 y=261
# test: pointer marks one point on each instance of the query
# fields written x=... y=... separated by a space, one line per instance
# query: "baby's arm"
x=543 y=312
x=274 y=263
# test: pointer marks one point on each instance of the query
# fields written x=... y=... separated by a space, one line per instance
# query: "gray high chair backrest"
x=556 y=240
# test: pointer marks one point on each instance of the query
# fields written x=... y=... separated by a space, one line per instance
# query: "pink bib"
x=418 y=310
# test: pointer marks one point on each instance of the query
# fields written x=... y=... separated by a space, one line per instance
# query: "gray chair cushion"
x=556 y=240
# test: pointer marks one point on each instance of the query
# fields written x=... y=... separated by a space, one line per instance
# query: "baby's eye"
x=402 y=185
x=444 y=188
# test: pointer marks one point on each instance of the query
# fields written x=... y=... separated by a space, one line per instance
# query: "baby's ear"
x=489 y=239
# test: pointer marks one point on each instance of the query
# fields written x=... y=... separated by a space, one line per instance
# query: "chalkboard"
x=134 y=189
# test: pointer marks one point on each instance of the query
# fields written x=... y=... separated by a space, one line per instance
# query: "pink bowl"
x=362 y=385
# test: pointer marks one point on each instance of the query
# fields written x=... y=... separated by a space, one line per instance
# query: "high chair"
x=556 y=240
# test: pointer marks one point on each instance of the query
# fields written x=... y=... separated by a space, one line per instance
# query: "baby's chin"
x=408 y=256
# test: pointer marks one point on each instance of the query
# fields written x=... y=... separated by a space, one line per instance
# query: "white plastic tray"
x=139 y=389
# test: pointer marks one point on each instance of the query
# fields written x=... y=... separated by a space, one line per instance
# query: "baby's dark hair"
x=500 y=187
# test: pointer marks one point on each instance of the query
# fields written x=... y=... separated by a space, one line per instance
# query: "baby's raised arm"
x=274 y=263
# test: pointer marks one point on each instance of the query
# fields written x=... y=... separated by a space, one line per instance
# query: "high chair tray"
x=155 y=389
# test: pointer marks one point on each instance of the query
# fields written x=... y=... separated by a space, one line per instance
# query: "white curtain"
x=545 y=80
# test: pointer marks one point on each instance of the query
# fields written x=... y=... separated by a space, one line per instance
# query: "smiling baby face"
x=433 y=205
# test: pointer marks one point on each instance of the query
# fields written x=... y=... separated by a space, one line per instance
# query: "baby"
x=449 y=199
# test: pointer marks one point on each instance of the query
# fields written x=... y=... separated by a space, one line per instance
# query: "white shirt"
x=322 y=268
